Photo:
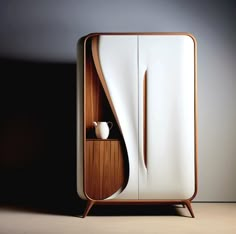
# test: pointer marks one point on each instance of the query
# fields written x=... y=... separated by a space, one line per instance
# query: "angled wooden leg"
x=88 y=207
x=188 y=204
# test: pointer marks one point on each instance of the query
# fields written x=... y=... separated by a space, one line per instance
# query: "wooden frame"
x=186 y=202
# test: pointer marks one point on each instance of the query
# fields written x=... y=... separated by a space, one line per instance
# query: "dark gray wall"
x=48 y=31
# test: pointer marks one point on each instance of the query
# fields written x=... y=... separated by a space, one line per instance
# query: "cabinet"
x=146 y=85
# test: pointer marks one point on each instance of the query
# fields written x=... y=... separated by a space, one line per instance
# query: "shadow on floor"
x=77 y=209
x=134 y=210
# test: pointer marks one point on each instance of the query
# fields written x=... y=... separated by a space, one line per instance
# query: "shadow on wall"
x=37 y=137
x=38 y=141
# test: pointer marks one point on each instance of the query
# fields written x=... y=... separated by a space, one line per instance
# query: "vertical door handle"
x=145 y=118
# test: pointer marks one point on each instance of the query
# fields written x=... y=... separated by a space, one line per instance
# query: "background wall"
x=38 y=53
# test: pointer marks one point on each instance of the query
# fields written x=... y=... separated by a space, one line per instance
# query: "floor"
x=210 y=218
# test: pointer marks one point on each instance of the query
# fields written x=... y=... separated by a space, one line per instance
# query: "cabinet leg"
x=188 y=204
x=88 y=207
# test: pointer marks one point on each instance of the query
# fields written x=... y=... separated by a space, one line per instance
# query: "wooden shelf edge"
x=96 y=139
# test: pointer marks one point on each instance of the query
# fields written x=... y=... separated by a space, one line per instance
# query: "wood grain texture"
x=104 y=168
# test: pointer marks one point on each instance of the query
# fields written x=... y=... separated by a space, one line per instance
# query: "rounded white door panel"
x=169 y=65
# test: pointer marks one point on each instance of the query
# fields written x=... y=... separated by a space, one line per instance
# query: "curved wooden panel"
x=101 y=178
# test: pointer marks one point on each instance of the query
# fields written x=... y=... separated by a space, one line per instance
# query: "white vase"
x=102 y=129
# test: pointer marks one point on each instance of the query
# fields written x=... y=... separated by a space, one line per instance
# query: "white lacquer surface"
x=118 y=59
x=169 y=61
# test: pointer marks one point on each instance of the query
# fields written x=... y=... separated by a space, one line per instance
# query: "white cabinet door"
x=168 y=61
x=118 y=58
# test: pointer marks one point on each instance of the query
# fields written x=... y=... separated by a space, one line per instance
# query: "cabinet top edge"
x=140 y=34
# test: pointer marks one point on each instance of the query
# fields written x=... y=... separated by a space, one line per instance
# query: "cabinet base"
x=90 y=204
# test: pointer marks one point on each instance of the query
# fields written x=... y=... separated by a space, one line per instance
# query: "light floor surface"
x=210 y=218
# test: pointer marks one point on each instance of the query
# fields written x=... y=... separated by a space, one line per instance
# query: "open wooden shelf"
x=96 y=139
